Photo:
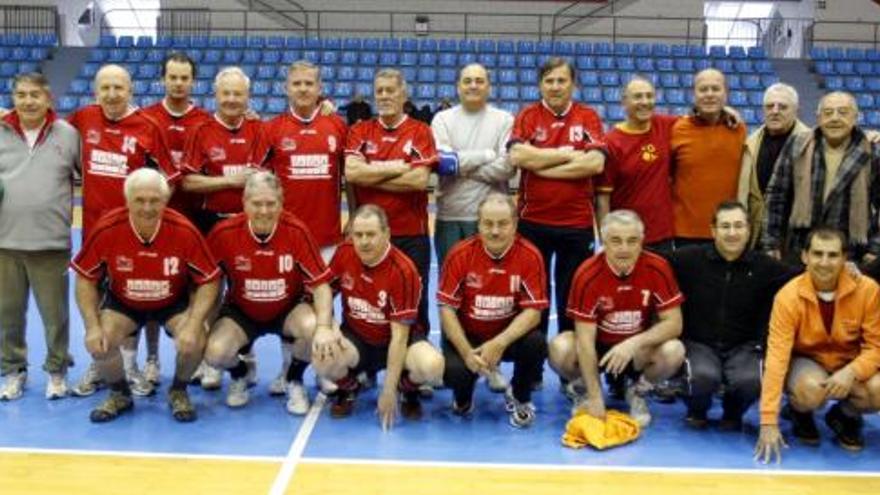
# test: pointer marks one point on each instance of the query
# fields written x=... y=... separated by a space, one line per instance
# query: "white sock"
x=129 y=359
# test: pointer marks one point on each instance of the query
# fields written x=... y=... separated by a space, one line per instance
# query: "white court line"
x=140 y=454
x=294 y=455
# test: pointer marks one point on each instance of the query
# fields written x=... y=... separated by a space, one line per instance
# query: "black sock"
x=296 y=370
x=179 y=384
x=239 y=370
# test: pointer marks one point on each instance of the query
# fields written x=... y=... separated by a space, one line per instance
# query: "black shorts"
x=205 y=220
x=373 y=358
x=252 y=328
x=141 y=317
x=630 y=370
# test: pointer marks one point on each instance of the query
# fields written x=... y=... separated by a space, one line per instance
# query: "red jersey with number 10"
x=307 y=157
x=410 y=141
x=146 y=274
x=374 y=296
x=622 y=306
x=112 y=149
x=488 y=292
x=265 y=276
x=557 y=202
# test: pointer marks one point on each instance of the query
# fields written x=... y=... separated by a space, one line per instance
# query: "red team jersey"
x=410 y=141
x=488 y=293
x=215 y=150
x=622 y=306
x=146 y=275
x=265 y=277
x=307 y=157
x=373 y=297
x=637 y=175
x=556 y=202
x=110 y=151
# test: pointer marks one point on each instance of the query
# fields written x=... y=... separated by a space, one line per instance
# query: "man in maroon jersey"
x=176 y=115
x=388 y=160
x=117 y=139
x=221 y=152
x=149 y=257
x=492 y=291
x=380 y=290
x=626 y=307
x=267 y=255
x=559 y=146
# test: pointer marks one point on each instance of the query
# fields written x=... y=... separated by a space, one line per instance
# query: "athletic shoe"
x=56 y=387
x=578 y=404
x=426 y=391
x=522 y=414
x=152 y=370
x=113 y=406
x=573 y=389
x=328 y=387
x=462 y=410
x=297 y=398
x=697 y=420
x=803 y=427
x=251 y=361
x=638 y=406
x=509 y=400
x=181 y=408
x=343 y=404
x=496 y=381
x=212 y=378
x=366 y=380
x=411 y=405
x=138 y=383
x=278 y=386
x=847 y=429
x=13 y=385
x=237 y=394
x=89 y=383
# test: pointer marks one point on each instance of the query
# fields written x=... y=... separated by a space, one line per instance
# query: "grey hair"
x=304 y=65
x=229 y=72
x=852 y=100
x=108 y=67
x=622 y=217
x=263 y=178
x=393 y=74
x=368 y=210
x=497 y=197
x=145 y=176
x=784 y=89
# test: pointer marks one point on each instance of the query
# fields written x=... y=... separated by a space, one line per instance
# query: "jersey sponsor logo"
x=238 y=140
x=288 y=144
x=389 y=139
x=108 y=164
x=124 y=264
x=649 y=153
x=262 y=290
x=176 y=128
x=129 y=144
x=332 y=144
x=233 y=169
x=308 y=132
x=216 y=154
x=308 y=166
x=147 y=290
x=492 y=307
x=242 y=263
x=473 y=280
x=622 y=322
x=93 y=136
x=361 y=309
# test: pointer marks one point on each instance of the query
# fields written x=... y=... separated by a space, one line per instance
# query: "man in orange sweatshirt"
x=823 y=343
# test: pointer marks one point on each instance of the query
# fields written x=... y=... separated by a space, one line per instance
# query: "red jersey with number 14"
x=622 y=306
x=265 y=276
x=557 y=202
x=112 y=149
x=488 y=292
x=374 y=296
x=410 y=141
x=307 y=155
x=146 y=274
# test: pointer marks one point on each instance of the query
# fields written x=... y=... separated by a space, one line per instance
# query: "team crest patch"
x=605 y=303
x=473 y=280
x=648 y=153
x=540 y=134
x=370 y=148
x=346 y=281
x=288 y=144
x=242 y=263
x=93 y=136
x=331 y=144
x=216 y=154
x=124 y=264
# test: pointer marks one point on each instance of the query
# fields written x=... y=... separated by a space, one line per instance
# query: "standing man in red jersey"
x=558 y=145
x=388 y=161
x=117 y=139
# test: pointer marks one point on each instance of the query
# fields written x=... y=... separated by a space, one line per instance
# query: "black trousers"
x=571 y=247
x=527 y=355
x=418 y=248
x=738 y=369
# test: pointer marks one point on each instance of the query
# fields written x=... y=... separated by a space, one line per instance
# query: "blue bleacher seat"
x=135 y=56
x=279 y=88
x=95 y=55
x=675 y=97
x=824 y=67
x=447 y=75
x=328 y=73
x=366 y=74
x=733 y=81
x=147 y=71
x=348 y=58
x=105 y=41
x=390 y=44
x=872 y=119
x=748 y=114
x=739 y=98
x=545 y=47
x=85 y=100
x=660 y=50
x=835 y=53
x=446 y=91
x=80 y=87
x=507 y=76
x=206 y=71
x=737 y=52
x=409 y=73
x=865 y=101
x=116 y=55
x=342 y=90
x=818 y=53
x=125 y=41
x=486 y=46
x=684 y=65
x=351 y=44
x=586 y=78
x=854 y=54
x=427 y=59
x=526 y=60
x=202 y=87
x=505 y=47
x=488 y=60
x=528 y=76
x=717 y=52
x=28 y=67
x=864 y=68
x=266 y=71
x=218 y=42
x=756 y=52
x=329 y=57
x=622 y=49
x=156 y=88
x=669 y=80
x=276 y=105
x=645 y=64
x=195 y=54
x=756 y=98
x=678 y=51
x=369 y=58
x=605 y=63
x=257 y=103
x=702 y=64
x=834 y=83
x=212 y=56
x=251 y=57
x=585 y=62
x=388 y=59
x=525 y=46
x=506 y=60
x=751 y=82
x=744 y=66
x=591 y=94
x=563 y=48
x=665 y=65
x=67 y=104
x=764 y=67
x=724 y=65
x=872 y=55
x=447 y=59
x=346 y=73
x=155 y=55
x=139 y=87
x=231 y=57
x=294 y=43
x=509 y=92
x=275 y=42
x=466 y=58
x=844 y=68
x=312 y=56
x=426 y=92
x=603 y=48
x=180 y=42
x=427 y=75
x=615 y=113
x=854 y=84
x=529 y=93
x=641 y=50
x=611 y=95
x=873 y=84
x=583 y=48
x=769 y=79
x=626 y=63
x=696 y=51
x=447 y=45
x=89 y=69
x=410 y=59
x=8 y=69
x=260 y=88
x=199 y=42
x=256 y=42
x=271 y=57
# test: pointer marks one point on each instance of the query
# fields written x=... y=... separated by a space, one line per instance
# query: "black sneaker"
x=464 y=409
x=697 y=420
x=847 y=429
x=343 y=403
x=411 y=405
x=803 y=427
x=730 y=422
x=616 y=386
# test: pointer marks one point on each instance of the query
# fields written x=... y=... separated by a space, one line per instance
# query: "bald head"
x=113 y=90
x=710 y=93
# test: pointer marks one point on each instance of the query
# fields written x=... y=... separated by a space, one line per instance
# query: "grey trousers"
x=46 y=273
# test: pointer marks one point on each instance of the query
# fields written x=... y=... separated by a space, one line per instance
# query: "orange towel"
x=583 y=430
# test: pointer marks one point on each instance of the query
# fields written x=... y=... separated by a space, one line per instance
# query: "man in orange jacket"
x=823 y=343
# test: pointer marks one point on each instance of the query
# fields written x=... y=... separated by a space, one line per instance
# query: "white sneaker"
x=638 y=406
x=522 y=415
x=212 y=378
x=138 y=383
x=327 y=386
x=573 y=389
x=279 y=384
x=297 y=399
x=152 y=370
x=237 y=395
x=251 y=361
x=56 y=387
x=13 y=385
x=497 y=381
x=89 y=383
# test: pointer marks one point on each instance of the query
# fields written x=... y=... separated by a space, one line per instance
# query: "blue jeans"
x=447 y=233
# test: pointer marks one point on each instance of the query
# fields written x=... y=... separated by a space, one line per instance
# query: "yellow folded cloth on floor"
x=585 y=430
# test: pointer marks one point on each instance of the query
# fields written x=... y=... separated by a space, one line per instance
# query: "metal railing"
x=27 y=19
